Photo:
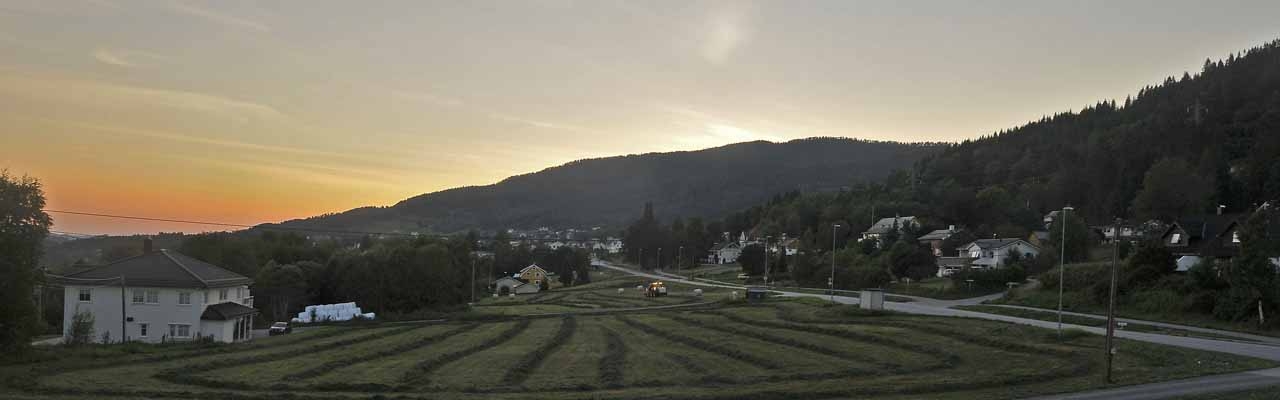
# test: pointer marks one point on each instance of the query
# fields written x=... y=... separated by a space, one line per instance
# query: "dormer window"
x=1235 y=237
x=1175 y=239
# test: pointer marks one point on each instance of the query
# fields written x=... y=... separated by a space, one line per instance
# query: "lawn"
x=782 y=348
x=936 y=288
x=1077 y=301
x=1086 y=321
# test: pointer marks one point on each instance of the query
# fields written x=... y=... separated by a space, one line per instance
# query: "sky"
x=248 y=112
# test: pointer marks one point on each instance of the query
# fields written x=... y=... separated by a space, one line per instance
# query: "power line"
x=226 y=224
x=180 y=221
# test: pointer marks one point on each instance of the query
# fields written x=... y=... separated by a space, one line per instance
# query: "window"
x=139 y=296
x=1176 y=238
x=239 y=293
x=86 y=295
x=179 y=330
x=222 y=294
x=184 y=298
x=1235 y=237
x=153 y=297
x=142 y=330
x=206 y=297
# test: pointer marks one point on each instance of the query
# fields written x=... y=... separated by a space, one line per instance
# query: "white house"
x=724 y=253
x=886 y=225
x=166 y=296
x=514 y=285
x=992 y=253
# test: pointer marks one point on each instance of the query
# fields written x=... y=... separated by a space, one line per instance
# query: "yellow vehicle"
x=656 y=289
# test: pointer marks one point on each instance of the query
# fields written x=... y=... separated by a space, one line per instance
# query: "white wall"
x=105 y=307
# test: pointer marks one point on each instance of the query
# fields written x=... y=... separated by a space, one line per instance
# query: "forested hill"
x=1206 y=139
x=610 y=191
x=1181 y=147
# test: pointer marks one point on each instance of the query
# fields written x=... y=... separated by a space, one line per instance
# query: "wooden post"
x=1111 y=303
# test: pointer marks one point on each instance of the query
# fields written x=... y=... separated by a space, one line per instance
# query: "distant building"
x=992 y=253
x=533 y=274
x=724 y=253
x=1039 y=238
x=886 y=225
x=1200 y=238
x=514 y=285
x=934 y=239
x=167 y=297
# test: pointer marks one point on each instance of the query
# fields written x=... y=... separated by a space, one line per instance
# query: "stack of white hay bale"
x=331 y=312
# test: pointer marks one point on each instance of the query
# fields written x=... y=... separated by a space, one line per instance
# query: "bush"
x=988 y=279
x=81 y=329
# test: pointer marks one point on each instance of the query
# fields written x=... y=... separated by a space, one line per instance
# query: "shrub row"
x=613 y=363
x=701 y=344
x=519 y=372
x=413 y=345
x=420 y=371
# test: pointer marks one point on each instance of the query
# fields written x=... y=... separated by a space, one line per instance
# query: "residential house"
x=934 y=239
x=886 y=225
x=513 y=285
x=992 y=253
x=533 y=274
x=1040 y=238
x=788 y=246
x=724 y=253
x=1126 y=232
x=1050 y=217
x=1195 y=239
x=166 y=296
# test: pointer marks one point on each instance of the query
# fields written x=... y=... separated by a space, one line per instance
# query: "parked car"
x=279 y=328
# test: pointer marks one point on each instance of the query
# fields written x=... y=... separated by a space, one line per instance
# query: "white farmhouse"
x=992 y=253
x=160 y=296
x=724 y=253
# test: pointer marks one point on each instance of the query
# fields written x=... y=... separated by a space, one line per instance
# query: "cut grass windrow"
x=613 y=363
x=416 y=344
x=785 y=341
x=519 y=372
x=419 y=372
x=946 y=358
x=701 y=344
x=184 y=374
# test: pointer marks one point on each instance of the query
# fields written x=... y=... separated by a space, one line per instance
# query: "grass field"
x=1266 y=393
x=1086 y=321
x=777 y=349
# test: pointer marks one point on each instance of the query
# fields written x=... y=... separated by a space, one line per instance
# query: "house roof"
x=941 y=234
x=991 y=244
x=163 y=268
x=955 y=261
x=531 y=267
x=722 y=246
x=226 y=311
x=884 y=225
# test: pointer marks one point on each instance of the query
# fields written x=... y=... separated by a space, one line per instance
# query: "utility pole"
x=124 y=336
x=659 y=258
x=766 y=260
x=679 y=259
x=1062 y=267
x=1111 y=303
x=831 y=282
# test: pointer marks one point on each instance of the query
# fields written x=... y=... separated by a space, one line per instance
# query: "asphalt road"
x=1161 y=390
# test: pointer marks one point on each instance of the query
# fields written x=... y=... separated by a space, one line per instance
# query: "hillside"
x=1181 y=147
x=610 y=191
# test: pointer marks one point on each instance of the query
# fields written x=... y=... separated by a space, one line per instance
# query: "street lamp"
x=679 y=259
x=766 y=259
x=831 y=282
x=1062 y=267
x=659 y=258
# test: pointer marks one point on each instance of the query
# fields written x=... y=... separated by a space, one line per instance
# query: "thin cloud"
x=127 y=58
x=216 y=17
x=725 y=32
x=101 y=94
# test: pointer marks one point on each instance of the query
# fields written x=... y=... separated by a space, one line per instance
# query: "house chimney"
x=146 y=245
